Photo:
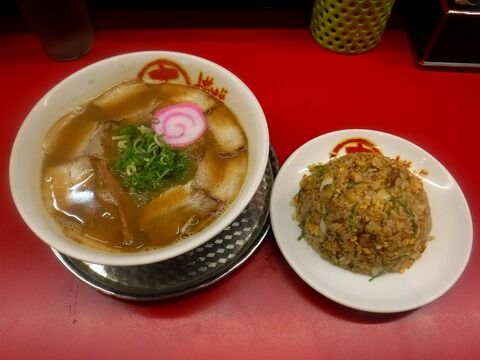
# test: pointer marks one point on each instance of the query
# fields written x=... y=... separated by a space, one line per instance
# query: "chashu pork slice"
x=226 y=131
x=168 y=216
x=76 y=135
x=125 y=100
x=110 y=191
x=194 y=95
x=222 y=178
x=87 y=201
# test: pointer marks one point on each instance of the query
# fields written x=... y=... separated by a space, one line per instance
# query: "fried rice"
x=364 y=212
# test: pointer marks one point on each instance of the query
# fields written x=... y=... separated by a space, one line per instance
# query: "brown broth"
x=86 y=198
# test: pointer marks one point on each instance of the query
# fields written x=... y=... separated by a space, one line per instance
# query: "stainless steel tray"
x=191 y=271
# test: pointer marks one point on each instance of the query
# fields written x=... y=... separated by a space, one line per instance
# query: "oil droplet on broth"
x=78 y=109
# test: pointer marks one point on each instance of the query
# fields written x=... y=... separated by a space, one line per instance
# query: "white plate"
x=431 y=276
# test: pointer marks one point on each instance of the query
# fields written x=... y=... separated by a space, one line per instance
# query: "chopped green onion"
x=144 y=162
x=410 y=214
x=319 y=169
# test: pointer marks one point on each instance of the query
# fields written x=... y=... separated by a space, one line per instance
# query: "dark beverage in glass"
x=63 y=26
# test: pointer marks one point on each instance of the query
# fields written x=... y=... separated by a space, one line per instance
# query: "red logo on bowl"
x=354 y=145
x=207 y=84
x=162 y=71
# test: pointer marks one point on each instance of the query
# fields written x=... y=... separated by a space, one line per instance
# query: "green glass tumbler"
x=350 y=26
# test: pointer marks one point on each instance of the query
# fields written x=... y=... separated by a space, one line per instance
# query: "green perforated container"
x=349 y=26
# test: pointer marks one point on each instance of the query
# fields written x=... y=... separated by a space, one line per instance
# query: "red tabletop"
x=262 y=310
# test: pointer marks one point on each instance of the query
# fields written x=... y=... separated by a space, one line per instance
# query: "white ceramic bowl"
x=26 y=157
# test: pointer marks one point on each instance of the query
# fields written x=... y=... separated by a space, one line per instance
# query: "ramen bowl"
x=77 y=89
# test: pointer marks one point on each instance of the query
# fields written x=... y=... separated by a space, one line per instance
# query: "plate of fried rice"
x=360 y=215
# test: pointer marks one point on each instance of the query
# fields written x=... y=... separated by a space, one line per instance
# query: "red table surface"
x=263 y=309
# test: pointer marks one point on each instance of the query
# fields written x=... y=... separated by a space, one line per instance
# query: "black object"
x=186 y=13
x=445 y=33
